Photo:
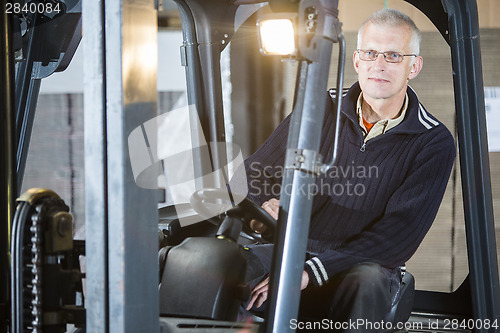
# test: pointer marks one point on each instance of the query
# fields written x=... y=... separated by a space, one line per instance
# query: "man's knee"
x=366 y=271
x=361 y=292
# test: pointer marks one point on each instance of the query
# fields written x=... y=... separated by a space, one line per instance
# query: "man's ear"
x=355 y=60
x=416 y=67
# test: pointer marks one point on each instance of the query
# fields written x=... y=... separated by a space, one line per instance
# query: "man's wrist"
x=305 y=279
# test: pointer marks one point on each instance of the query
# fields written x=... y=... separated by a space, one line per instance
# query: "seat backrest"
x=203 y=278
x=401 y=309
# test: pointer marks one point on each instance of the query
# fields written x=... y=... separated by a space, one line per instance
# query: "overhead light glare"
x=276 y=36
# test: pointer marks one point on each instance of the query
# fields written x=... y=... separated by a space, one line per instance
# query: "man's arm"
x=264 y=169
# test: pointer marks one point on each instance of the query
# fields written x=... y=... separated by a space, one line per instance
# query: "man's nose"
x=380 y=62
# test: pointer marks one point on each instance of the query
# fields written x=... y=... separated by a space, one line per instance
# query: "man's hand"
x=259 y=293
x=271 y=206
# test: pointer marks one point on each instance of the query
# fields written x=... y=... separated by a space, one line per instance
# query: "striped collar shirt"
x=381 y=126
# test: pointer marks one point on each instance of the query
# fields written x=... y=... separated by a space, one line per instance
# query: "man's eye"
x=370 y=53
x=393 y=55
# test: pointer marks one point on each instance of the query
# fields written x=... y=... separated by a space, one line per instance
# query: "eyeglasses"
x=389 y=56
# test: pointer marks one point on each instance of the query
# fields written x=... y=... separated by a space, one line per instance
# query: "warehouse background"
x=56 y=152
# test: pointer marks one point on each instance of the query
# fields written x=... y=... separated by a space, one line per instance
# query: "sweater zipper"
x=363 y=146
x=362 y=149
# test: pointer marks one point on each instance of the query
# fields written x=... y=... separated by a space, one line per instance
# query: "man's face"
x=380 y=80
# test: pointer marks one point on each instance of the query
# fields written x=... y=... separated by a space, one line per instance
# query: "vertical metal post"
x=27 y=90
x=96 y=228
x=123 y=75
x=131 y=99
x=296 y=193
x=190 y=60
x=7 y=166
x=295 y=211
x=204 y=25
x=474 y=161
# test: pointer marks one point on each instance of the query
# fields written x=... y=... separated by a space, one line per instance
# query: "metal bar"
x=295 y=207
x=17 y=273
x=131 y=99
x=24 y=137
x=284 y=214
x=338 y=101
x=203 y=24
x=27 y=89
x=474 y=159
x=293 y=132
x=190 y=56
x=95 y=136
x=7 y=167
x=210 y=63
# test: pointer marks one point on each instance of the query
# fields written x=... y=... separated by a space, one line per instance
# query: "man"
x=372 y=211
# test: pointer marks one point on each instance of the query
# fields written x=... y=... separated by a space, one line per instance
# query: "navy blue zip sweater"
x=379 y=201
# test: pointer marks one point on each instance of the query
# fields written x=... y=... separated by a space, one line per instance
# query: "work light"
x=277 y=36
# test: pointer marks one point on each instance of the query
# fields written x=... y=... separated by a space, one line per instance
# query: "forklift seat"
x=403 y=303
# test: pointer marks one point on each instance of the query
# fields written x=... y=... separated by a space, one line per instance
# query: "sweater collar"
x=417 y=119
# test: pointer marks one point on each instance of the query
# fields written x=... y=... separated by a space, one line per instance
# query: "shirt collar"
x=387 y=123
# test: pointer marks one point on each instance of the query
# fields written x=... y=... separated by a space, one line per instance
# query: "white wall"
x=171 y=75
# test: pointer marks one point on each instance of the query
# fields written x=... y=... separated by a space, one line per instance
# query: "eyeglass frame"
x=385 y=54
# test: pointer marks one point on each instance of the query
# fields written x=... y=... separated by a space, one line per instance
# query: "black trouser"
x=356 y=300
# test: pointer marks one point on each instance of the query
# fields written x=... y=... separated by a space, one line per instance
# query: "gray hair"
x=395 y=18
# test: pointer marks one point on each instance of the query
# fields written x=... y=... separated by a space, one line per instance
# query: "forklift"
x=41 y=279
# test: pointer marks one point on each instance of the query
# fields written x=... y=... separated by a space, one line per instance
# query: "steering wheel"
x=243 y=208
